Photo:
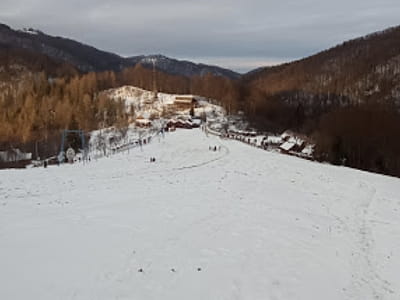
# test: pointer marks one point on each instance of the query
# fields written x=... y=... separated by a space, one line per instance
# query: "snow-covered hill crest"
x=146 y=104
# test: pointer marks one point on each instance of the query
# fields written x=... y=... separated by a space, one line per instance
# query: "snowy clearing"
x=239 y=223
x=143 y=104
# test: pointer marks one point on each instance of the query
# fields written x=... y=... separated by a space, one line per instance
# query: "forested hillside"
x=364 y=70
x=40 y=99
x=86 y=58
x=346 y=98
x=181 y=67
x=83 y=57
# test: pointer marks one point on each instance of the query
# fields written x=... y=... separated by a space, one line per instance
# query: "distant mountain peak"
x=87 y=58
x=84 y=57
x=182 y=67
x=4 y=26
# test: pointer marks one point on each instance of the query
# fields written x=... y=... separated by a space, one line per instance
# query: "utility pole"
x=155 y=96
x=49 y=122
x=36 y=150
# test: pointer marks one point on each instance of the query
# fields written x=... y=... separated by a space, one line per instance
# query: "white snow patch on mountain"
x=143 y=104
x=30 y=31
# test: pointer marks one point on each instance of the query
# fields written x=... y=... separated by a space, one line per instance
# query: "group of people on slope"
x=214 y=148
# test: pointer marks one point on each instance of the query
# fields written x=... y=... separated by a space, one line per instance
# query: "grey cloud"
x=259 y=30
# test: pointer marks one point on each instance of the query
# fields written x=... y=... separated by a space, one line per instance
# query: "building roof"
x=143 y=121
x=14 y=155
x=287 y=146
x=185 y=99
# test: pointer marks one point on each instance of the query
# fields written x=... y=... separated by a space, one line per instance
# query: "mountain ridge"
x=87 y=58
x=182 y=67
x=351 y=69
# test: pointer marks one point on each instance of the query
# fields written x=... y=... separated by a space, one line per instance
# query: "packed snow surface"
x=238 y=223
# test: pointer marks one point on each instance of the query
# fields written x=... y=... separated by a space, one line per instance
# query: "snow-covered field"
x=239 y=223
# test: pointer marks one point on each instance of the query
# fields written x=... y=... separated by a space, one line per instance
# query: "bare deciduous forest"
x=346 y=98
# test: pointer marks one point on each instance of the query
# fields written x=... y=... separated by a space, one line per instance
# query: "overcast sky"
x=241 y=35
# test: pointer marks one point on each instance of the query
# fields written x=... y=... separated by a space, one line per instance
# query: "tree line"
x=346 y=98
x=37 y=106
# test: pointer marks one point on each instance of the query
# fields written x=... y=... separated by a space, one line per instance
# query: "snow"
x=143 y=121
x=308 y=150
x=139 y=98
x=14 y=155
x=30 y=31
x=196 y=122
x=286 y=135
x=287 y=145
x=239 y=223
x=142 y=101
x=110 y=140
x=273 y=140
x=296 y=141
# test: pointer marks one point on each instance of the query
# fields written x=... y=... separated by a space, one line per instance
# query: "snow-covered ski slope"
x=239 y=223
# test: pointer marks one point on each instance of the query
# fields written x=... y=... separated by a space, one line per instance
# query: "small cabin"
x=14 y=158
x=286 y=147
x=14 y=155
x=292 y=144
x=142 y=122
x=185 y=101
x=179 y=123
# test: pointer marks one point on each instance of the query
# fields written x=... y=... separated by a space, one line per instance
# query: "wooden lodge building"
x=142 y=122
x=185 y=101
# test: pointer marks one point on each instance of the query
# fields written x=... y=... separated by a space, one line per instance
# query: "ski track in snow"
x=239 y=223
x=366 y=279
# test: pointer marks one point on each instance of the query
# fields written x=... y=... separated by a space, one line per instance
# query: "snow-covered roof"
x=189 y=97
x=286 y=134
x=143 y=121
x=184 y=99
x=14 y=155
x=287 y=146
x=296 y=140
x=273 y=139
x=196 y=121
